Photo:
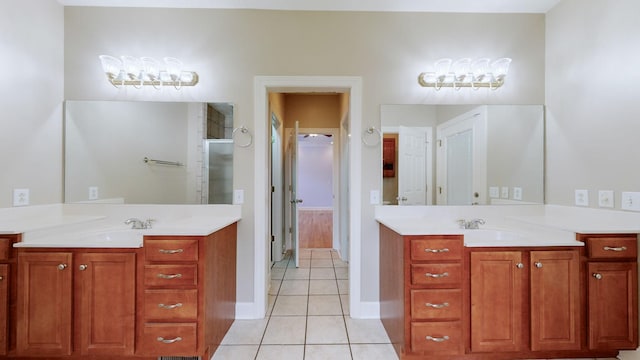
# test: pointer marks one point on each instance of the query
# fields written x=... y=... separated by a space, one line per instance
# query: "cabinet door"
x=4 y=302
x=555 y=300
x=497 y=290
x=613 y=306
x=106 y=299
x=44 y=304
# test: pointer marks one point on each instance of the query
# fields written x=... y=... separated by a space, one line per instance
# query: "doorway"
x=350 y=217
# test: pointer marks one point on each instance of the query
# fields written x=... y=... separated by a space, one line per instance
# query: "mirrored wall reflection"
x=141 y=152
x=463 y=154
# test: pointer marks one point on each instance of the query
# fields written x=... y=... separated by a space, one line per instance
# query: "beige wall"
x=31 y=94
x=312 y=111
x=592 y=77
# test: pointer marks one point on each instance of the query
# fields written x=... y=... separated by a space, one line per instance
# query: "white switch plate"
x=582 y=197
x=504 y=192
x=238 y=197
x=630 y=201
x=605 y=198
x=20 y=197
x=93 y=193
x=374 y=197
x=517 y=193
x=494 y=192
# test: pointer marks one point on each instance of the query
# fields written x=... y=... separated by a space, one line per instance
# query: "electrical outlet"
x=20 y=197
x=504 y=192
x=582 y=197
x=494 y=192
x=517 y=193
x=93 y=193
x=374 y=197
x=605 y=198
x=630 y=201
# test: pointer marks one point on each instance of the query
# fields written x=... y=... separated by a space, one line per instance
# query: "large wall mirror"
x=143 y=152
x=462 y=154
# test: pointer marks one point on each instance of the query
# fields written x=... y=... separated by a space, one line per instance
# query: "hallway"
x=308 y=317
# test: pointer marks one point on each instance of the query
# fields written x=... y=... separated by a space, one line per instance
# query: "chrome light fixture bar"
x=146 y=71
x=475 y=74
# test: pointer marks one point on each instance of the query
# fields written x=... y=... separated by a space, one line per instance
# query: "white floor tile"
x=321 y=254
x=323 y=287
x=322 y=263
x=294 y=287
x=373 y=352
x=343 y=286
x=235 y=352
x=281 y=352
x=342 y=273
x=277 y=273
x=296 y=274
x=366 y=331
x=290 y=305
x=285 y=330
x=324 y=305
x=326 y=330
x=344 y=299
x=327 y=352
x=245 y=332
x=274 y=287
x=323 y=273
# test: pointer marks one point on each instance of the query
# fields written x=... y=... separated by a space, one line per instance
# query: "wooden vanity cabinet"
x=612 y=284
x=7 y=289
x=423 y=313
x=75 y=302
x=525 y=297
x=186 y=293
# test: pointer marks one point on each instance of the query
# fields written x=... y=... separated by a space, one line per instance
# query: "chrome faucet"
x=471 y=224
x=139 y=224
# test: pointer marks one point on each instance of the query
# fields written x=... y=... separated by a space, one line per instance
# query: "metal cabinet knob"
x=538 y=265
x=597 y=276
x=520 y=265
x=62 y=266
x=83 y=267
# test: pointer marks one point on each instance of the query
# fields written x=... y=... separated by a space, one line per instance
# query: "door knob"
x=296 y=201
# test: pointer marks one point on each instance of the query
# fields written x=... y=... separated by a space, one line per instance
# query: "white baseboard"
x=248 y=311
x=366 y=310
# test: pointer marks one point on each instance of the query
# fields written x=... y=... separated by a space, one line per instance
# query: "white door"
x=294 y=196
x=277 y=197
x=462 y=159
x=413 y=162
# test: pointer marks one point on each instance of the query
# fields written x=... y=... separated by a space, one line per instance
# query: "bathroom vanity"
x=95 y=289
x=516 y=292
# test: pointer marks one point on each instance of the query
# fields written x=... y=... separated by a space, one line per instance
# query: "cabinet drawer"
x=169 y=339
x=436 y=304
x=436 y=248
x=5 y=248
x=170 y=275
x=170 y=305
x=437 y=337
x=171 y=250
x=436 y=274
x=612 y=247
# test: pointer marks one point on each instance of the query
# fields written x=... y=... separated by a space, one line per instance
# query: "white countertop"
x=102 y=226
x=509 y=226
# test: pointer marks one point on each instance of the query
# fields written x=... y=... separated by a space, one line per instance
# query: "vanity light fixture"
x=466 y=72
x=144 y=71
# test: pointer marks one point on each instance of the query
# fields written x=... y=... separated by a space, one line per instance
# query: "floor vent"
x=179 y=358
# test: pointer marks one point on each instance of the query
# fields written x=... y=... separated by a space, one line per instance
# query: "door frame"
x=262 y=239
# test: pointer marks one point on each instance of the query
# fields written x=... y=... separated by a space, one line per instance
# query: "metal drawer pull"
x=169 y=276
x=438 y=306
x=170 y=307
x=609 y=248
x=168 y=341
x=176 y=251
x=597 y=276
x=435 y=251
x=436 y=276
x=437 y=339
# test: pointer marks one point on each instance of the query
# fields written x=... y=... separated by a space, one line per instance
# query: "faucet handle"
x=462 y=223
x=148 y=223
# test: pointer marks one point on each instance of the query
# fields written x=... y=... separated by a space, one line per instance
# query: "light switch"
x=630 y=201
x=494 y=192
x=374 y=197
x=238 y=196
x=93 y=193
x=504 y=192
x=20 y=197
x=517 y=193
x=605 y=198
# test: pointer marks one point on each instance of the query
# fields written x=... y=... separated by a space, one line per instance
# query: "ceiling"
x=471 y=6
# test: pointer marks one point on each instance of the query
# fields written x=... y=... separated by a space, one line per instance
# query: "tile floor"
x=308 y=317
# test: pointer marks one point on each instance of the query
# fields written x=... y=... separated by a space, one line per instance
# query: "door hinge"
x=439 y=189
x=290 y=231
x=273 y=189
x=273 y=238
x=439 y=143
